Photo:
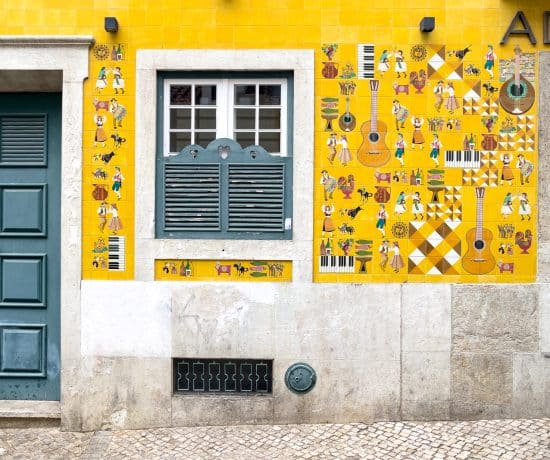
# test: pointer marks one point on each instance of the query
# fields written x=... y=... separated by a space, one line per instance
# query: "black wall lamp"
x=427 y=24
x=111 y=24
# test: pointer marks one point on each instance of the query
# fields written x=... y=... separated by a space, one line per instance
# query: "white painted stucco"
x=131 y=320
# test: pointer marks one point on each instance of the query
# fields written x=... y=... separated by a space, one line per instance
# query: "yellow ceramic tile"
x=389 y=25
x=223 y=270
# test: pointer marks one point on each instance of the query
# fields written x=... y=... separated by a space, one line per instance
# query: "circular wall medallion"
x=419 y=52
x=300 y=378
x=101 y=52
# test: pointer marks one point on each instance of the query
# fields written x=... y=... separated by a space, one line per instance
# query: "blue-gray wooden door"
x=30 y=184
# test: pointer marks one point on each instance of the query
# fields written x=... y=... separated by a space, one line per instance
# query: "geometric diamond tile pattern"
x=441 y=69
x=437 y=248
x=484 y=176
x=525 y=134
x=449 y=209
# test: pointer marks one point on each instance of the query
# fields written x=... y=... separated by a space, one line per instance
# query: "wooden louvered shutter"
x=225 y=191
x=23 y=140
x=256 y=195
x=191 y=197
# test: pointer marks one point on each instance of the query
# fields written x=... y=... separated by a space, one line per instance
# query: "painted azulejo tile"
x=223 y=270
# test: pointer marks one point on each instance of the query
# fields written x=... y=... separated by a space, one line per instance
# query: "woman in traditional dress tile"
x=396 y=261
x=418 y=137
x=344 y=155
x=506 y=209
x=328 y=223
x=101 y=81
x=507 y=173
x=115 y=224
x=100 y=134
x=451 y=103
x=383 y=62
x=400 y=204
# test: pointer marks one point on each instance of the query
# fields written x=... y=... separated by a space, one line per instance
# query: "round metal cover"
x=300 y=378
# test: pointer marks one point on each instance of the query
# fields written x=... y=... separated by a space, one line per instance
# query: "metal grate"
x=244 y=376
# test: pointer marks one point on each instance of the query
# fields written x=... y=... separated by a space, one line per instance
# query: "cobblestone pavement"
x=486 y=440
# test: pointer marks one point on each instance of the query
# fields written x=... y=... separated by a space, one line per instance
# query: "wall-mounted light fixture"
x=427 y=24
x=111 y=24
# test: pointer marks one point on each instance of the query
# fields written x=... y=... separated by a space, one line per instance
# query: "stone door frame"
x=58 y=63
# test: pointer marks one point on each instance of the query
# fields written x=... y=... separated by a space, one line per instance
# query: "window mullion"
x=166 y=121
x=283 y=120
x=226 y=111
x=193 y=112
x=257 y=114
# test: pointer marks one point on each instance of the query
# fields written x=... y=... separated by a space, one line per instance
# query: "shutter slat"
x=23 y=139
x=191 y=197
x=256 y=197
x=256 y=204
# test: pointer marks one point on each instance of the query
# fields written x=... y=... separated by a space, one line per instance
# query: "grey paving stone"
x=484 y=439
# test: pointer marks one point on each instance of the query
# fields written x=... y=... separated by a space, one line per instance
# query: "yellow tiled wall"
x=436 y=206
x=391 y=25
x=108 y=160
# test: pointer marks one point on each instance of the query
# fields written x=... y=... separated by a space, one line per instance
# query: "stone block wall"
x=396 y=352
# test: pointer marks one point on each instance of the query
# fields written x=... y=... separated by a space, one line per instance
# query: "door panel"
x=23 y=351
x=30 y=184
x=32 y=199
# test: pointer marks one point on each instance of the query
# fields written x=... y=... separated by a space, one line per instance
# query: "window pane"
x=270 y=119
x=205 y=95
x=245 y=118
x=271 y=142
x=205 y=119
x=180 y=94
x=245 y=94
x=180 y=118
x=270 y=94
x=179 y=141
x=203 y=139
x=245 y=139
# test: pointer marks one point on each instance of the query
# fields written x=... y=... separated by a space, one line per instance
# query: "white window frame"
x=225 y=108
x=299 y=250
